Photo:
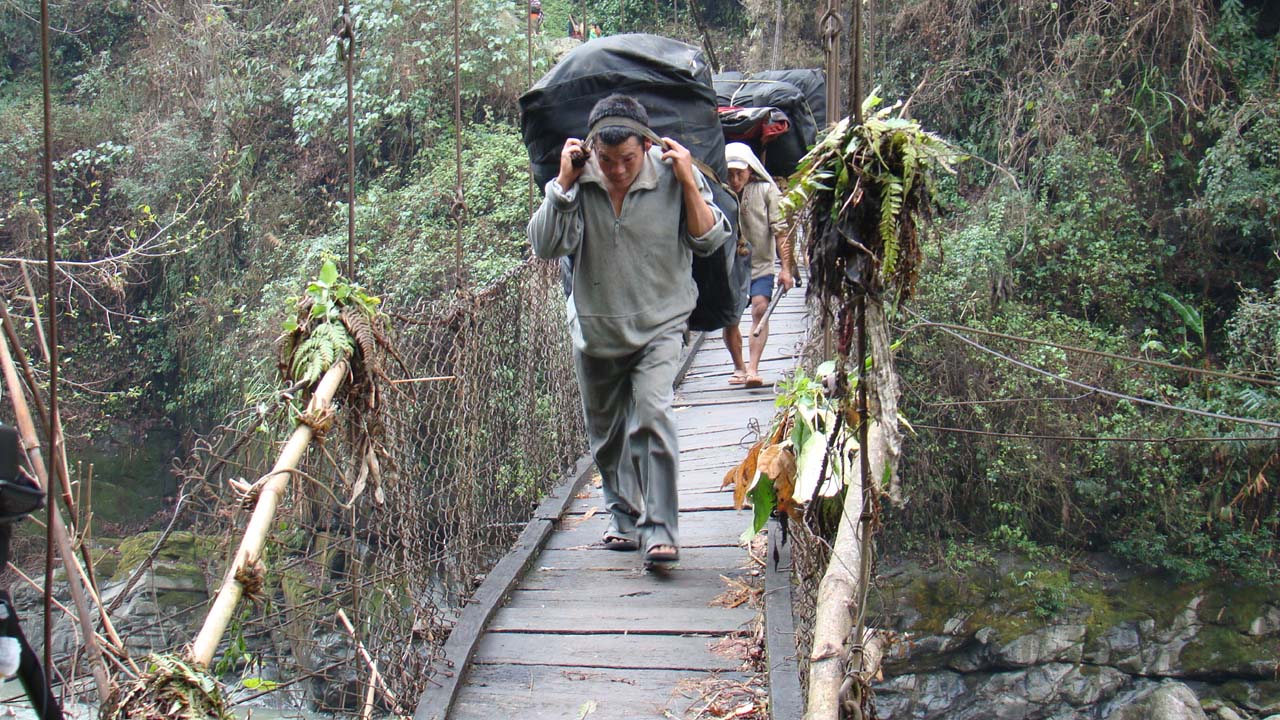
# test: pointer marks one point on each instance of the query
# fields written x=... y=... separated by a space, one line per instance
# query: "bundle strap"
x=646 y=132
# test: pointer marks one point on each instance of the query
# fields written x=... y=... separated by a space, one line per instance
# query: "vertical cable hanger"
x=856 y=61
x=347 y=34
x=528 y=83
x=459 y=200
x=51 y=270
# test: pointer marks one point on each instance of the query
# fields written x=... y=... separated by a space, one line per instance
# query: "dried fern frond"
x=863 y=187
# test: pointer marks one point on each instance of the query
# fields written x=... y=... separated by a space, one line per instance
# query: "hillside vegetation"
x=1127 y=203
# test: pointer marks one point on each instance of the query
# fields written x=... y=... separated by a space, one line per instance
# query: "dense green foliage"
x=204 y=147
x=201 y=173
x=1139 y=219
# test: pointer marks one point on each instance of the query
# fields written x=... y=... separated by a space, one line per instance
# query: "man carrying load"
x=762 y=232
x=632 y=213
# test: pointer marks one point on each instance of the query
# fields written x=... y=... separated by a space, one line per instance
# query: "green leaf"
x=763 y=500
x=328 y=273
x=290 y=325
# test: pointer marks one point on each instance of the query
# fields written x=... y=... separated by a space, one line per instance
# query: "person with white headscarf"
x=762 y=233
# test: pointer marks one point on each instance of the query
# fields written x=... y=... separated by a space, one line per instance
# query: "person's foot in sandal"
x=615 y=540
x=662 y=554
x=753 y=381
x=738 y=377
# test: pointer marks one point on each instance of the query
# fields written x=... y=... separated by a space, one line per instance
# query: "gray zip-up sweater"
x=631 y=276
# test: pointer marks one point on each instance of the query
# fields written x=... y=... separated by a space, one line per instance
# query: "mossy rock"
x=183 y=553
x=1217 y=649
x=1260 y=697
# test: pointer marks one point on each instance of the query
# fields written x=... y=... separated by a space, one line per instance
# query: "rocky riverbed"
x=1008 y=637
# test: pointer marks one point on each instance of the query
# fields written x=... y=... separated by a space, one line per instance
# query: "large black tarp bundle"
x=673 y=82
x=795 y=93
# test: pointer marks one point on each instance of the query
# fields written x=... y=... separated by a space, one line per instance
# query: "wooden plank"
x=626 y=589
x=540 y=692
x=614 y=620
x=786 y=699
x=719 y=558
x=619 y=651
x=718 y=453
x=714 y=527
x=692 y=500
x=605 y=585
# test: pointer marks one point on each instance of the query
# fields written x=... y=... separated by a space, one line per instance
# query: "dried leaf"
x=778 y=462
x=743 y=475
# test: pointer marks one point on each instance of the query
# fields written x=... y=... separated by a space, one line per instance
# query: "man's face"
x=738 y=178
x=620 y=164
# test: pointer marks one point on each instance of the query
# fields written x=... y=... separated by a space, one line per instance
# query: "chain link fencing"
x=480 y=419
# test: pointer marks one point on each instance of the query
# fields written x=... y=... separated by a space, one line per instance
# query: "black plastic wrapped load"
x=780 y=157
x=672 y=80
x=811 y=82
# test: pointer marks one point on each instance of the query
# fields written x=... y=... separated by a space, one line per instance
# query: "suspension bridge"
x=565 y=628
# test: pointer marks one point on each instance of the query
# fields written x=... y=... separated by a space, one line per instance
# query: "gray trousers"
x=632 y=430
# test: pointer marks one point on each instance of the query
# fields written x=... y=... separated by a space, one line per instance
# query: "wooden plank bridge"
x=564 y=628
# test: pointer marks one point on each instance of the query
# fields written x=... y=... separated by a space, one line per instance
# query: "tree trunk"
x=260 y=523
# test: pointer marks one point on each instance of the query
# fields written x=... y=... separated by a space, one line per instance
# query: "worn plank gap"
x=630 y=583
x=719 y=527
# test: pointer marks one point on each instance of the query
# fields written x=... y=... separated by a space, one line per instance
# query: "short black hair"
x=623 y=106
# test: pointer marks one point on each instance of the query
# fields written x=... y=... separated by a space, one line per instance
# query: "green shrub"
x=1088 y=247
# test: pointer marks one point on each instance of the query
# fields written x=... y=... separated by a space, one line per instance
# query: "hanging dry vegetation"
x=863 y=188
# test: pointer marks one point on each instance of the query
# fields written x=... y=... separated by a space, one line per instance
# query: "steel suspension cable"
x=1170 y=440
x=856 y=69
x=927 y=324
x=830 y=26
x=1109 y=393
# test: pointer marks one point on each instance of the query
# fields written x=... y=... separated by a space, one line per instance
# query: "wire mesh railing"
x=479 y=419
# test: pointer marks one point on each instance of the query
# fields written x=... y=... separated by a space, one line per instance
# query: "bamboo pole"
x=75 y=574
x=841 y=594
x=255 y=533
